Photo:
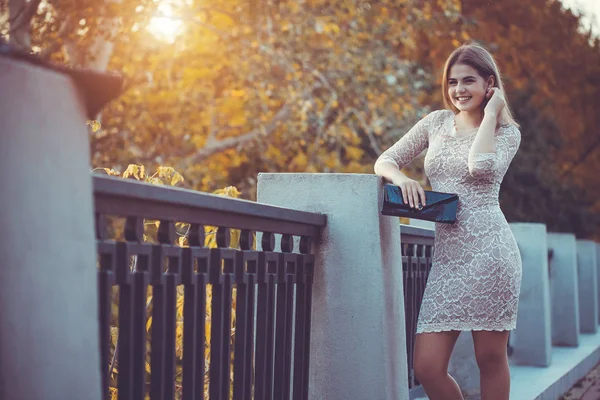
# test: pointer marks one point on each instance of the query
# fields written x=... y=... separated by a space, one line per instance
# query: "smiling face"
x=466 y=88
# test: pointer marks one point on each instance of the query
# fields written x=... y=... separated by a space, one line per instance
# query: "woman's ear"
x=491 y=82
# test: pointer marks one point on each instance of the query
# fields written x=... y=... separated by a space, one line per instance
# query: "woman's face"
x=466 y=88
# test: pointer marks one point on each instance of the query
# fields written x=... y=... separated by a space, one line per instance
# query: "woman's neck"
x=468 y=120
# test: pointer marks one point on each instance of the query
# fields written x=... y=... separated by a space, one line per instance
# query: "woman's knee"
x=490 y=350
x=490 y=360
x=429 y=367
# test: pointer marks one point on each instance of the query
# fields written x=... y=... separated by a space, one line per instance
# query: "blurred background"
x=222 y=90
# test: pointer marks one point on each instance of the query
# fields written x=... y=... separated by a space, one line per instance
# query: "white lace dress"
x=475 y=279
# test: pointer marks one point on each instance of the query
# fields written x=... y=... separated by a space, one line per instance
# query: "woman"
x=475 y=279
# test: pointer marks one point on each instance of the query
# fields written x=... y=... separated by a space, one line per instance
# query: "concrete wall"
x=564 y=289
x=588 y=286
x=532 y=338
x=358 y=346
x=48 y=294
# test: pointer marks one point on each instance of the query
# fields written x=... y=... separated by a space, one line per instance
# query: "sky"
x=591 y=10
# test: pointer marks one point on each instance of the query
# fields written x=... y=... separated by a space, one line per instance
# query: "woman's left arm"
x=491 y=154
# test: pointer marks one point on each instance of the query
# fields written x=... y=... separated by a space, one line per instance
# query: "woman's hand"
x=411 y=192
x=496 y=101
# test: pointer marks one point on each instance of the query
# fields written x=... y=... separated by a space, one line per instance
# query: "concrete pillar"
x=358 y=344
x=532 y=340
x=49 y=342
x=588 y=286
x=564 y=289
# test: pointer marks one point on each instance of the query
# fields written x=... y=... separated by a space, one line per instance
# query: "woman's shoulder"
x=437 y=116
x=436 y=120
x=440 y=114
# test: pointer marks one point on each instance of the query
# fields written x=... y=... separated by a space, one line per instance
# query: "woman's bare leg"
x=490 y=352
x=432 y=355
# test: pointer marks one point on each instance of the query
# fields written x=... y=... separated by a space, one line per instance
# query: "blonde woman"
x=475 y=279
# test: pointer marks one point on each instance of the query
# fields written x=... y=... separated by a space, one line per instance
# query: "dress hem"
x=458 y=326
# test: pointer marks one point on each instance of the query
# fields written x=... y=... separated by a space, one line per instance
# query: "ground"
x=587 y=388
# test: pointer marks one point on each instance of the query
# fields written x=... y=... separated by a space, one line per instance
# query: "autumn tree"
x=234 y=88
x=312 y=86
x=552 y=69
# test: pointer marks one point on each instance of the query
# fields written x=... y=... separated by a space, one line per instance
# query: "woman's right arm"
x=391 y=161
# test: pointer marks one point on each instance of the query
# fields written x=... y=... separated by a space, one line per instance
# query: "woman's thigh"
x=433 y=351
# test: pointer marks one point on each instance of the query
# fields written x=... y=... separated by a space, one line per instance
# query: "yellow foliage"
x=94 y=125
x=135 y=171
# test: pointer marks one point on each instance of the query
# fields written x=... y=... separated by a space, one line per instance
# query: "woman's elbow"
x=377 y=167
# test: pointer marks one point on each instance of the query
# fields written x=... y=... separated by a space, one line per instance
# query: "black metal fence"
x=198 y=321
x=417 y=254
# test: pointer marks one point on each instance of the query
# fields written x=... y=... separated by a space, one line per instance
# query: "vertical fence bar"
x=409 y=307
x=283 y=337
x=166 y=238
x=107 y=255
x=309 y=265
x=300 y=350
x=229 y=268
x=194 y=272
x=223 y=264
x=140 y=284
x=171 y=281
x=280 y=331
x=252 y=267
x=241 y=326
x=157 y=329
x=216 y=326
x=292 y=268
x=189 y=324
x=265 y=319
x=202 y=277
x=244 y=331
x=273 y=261
x=125 y=338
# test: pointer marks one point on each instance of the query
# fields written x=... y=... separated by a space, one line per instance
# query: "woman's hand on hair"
x=496 y=101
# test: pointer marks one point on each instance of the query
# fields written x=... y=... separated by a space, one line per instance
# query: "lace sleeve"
x=409 y=146
x=490 y=165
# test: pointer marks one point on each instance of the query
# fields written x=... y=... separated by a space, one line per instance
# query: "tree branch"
x=57 y=44
x=366 y=127
x=225 y=144
x=20 y=15
x=588 y=151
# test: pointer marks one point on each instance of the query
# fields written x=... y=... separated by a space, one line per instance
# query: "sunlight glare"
x=165 y=27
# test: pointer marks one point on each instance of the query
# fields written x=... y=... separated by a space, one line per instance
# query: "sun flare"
x=165 y=26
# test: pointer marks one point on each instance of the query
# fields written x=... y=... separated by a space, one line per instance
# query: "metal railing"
x=196 y=320
x=417 y=254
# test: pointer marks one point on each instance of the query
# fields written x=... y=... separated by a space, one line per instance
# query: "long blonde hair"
x=477 y=57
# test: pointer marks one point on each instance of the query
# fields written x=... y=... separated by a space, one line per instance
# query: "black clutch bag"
x=441 y=207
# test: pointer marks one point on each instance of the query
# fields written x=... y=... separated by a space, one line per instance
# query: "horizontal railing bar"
x=115 y=196
x=407 y=230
